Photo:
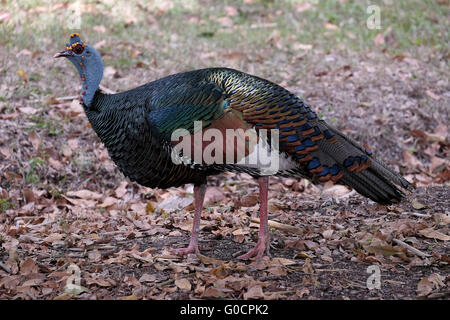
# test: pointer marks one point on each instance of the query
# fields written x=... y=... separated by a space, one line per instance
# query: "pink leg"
x=199 y=196
x=263 y=239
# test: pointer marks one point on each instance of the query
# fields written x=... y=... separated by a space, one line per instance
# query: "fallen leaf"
x=254 y=292
x=249 y=200
x=53 y=237
x=121 y=190
x=302 y=292
x=4 y=16
x=23 y=75
x=433 y=95
x=28 y=110
x=76 y=107
x=5 y=151
x=64 y=296
x=280 y=262
x=379 y=39
x=35 y=141
x=327 y=233
x=418 y=206
x=231 y=11
x=411 y=160
x=110 y=72
x=209 y=260
x=99 y=29
x=379 y=246
x=331 y=26
x=427 y=284
x=225 y=22
x=307 y=267
x=301 y=46
x=147 y=278
x=434 y=234
x=183 y=284
x=302 y=6
x=213 y=195
x=28 y=267
x=212 y=292
x=85 y=194
x=73 y=289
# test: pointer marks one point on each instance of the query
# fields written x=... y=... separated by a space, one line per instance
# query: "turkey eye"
x=78 y=49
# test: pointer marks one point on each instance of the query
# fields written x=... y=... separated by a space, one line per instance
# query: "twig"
x=280 y=226
x=67 y=98
x=412 y=249
x=421 y=215
x=330 y=270
x=106 y=90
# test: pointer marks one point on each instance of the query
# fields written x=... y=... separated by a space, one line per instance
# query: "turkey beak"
x=61 y=54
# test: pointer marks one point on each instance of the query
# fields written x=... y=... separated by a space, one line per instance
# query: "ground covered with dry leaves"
x=68 y=217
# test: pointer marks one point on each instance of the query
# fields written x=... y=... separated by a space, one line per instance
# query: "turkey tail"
x=366 y=174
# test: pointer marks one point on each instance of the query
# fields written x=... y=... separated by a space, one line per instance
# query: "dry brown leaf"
x=28 y=267
x=432 y=95
x=183 y=284
x=249 y=200
x=4 y=16
x=418 y=205
x=410 y=160
x=146 y=277
x=209 y=260
x=434 y=234
x=212 y=292
x=276 y=262
x=28 y=194
x=379 y=246
x=231 y=11
x=53 y=237
x=302 y=292
x=121 y=190
x=301 y=46
x=108 y=202
x=35 y=141
x=85 y=194
x=5 y=151
x=23 y=75
x=427 y=284
x=76 y=107
x=437 y=163
x=302 y=6
x=213 y=195
x=225 y=22
x=99 y=29
x=379 y=39
x=254 y=292
x=307 y=267
x=95 y=255
x=331 y=26
x=327 y=233
x=110 y=72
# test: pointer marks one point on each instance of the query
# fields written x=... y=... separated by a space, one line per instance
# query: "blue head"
x=88 y=63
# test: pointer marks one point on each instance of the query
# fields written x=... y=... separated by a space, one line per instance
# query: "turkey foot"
x=191 y=248
x=199 y=196
x=263 y=240
x=257 y=251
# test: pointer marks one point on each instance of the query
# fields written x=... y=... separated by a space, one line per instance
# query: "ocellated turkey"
x=136 y=128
